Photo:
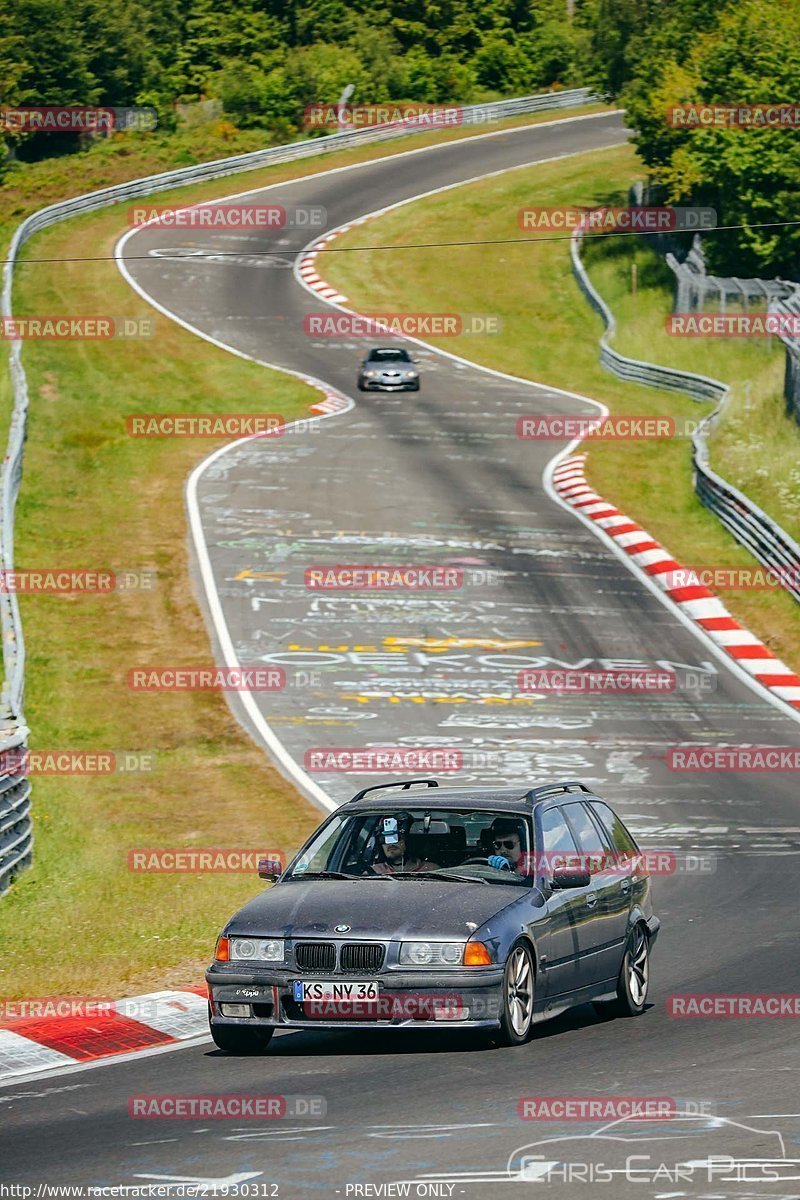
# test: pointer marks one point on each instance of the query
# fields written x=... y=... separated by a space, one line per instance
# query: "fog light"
x=235 y=1010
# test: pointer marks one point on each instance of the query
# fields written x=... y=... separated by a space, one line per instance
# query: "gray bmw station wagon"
x=417 y=905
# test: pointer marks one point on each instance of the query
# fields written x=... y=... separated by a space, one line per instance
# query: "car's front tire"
x=634 y=978
x=236 y=1039
x=516 y=1016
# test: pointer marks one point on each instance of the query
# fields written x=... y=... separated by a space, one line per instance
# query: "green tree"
x=751 y=176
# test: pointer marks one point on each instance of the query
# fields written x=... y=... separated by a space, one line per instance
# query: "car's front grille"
x=315 y=956
x=366 y=957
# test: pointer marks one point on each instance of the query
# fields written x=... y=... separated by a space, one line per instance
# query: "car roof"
x=489 y=798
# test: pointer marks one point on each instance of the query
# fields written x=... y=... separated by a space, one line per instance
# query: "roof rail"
x=404 y=785
x=552 y=789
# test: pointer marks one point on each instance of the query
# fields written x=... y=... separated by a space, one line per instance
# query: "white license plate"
x=348 y=990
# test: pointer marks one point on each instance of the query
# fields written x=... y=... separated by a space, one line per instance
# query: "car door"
x=611 y=886
x=561 y=934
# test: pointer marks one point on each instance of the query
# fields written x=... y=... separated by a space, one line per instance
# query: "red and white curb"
x=307 y=269
x=42 y=1042
x=333 y=403
x=695 y=601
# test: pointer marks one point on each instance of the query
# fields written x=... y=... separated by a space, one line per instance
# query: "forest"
x=261 y=62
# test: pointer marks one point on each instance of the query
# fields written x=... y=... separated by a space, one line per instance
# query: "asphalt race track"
x=440 y=478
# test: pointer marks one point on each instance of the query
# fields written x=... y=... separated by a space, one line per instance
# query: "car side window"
x=620 y=838
x=590 y=841
x=556 y=837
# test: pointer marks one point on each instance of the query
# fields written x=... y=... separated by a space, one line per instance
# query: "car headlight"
x=369 y=373
x=412 y=374
x=245 y=949
x=431 y=954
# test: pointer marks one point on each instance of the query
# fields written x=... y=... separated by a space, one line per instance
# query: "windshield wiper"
x=443 y=874
x=321 y=875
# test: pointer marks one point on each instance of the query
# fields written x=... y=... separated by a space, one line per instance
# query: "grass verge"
x=756 y=444
x=531 y=288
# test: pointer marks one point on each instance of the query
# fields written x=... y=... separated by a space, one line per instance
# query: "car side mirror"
x=566 y=877
x=269 y=870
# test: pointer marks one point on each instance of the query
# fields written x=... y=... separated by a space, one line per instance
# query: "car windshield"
x=407 y=844
x=389 y=356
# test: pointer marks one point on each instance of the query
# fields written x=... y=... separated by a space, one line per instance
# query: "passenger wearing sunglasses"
x=507 y=846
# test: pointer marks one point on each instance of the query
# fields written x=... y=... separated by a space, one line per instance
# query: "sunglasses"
x=506 y=843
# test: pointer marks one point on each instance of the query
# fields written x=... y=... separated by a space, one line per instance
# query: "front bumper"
x=379 y=385
x=456 y=999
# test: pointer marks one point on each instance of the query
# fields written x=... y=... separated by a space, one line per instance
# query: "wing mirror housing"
x=567 y=877
x=269 y=869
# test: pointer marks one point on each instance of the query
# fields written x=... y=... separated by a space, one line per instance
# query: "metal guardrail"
x=694 y=284
x=16 y=842
x=790 y=306
x=748 y=523
x=16 y=826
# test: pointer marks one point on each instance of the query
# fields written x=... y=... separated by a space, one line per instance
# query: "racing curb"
x=695 y=600
x=36 y=1041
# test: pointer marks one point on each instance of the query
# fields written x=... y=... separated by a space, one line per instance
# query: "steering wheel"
x=483 y=862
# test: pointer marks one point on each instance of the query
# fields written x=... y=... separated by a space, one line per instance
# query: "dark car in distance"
x=388 y=369
x=489 y=908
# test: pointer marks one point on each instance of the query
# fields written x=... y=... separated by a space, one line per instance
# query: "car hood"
x=380 y=909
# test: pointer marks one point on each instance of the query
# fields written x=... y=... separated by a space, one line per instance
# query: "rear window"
x=389 y=356
x=621 y=839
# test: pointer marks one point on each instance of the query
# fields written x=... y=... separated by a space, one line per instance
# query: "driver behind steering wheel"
x=507 y=844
